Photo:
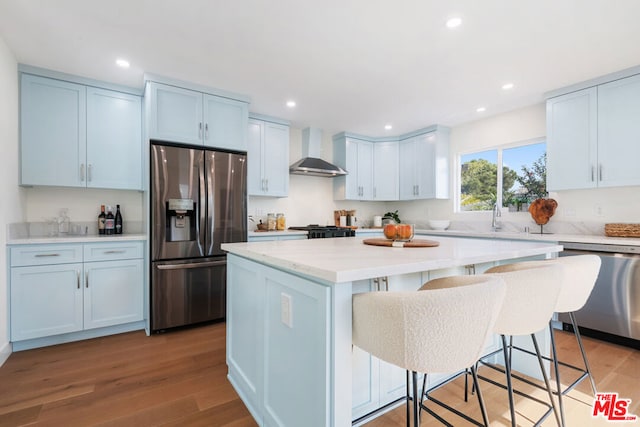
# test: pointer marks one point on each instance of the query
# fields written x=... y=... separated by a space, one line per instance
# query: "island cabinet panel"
x=245 y=334
x=278 y=342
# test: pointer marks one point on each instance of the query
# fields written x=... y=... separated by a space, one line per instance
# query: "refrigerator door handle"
x=202 y=189
x=191 y=265
x=209 y=162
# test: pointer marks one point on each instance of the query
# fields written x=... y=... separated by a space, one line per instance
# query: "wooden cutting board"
x=415 y=243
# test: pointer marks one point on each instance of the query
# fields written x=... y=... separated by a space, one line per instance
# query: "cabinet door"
x=255 y=160
x=52 y=132
x=365 y=170
x=225 y=123
x=572 y=141
x=425 y=157
x=385 y=171
x=619 y=132
x=45 y=300
x=276 y=159
x=407 y=173
x=113 y=292
x=176 y=114
x=351 y=187
x=114 y=140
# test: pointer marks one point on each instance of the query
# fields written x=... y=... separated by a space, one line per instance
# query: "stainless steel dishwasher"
x=614 y=305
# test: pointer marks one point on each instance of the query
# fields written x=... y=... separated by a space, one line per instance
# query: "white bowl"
x=439 y=224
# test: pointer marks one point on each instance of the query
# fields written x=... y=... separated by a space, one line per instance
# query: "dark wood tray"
x=415 y=243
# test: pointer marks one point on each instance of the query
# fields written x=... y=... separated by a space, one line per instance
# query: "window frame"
x=499 y=162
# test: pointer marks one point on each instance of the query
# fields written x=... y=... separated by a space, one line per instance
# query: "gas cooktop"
x=316 y=231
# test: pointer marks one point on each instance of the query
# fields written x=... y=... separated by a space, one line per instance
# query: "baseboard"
x=5 y=352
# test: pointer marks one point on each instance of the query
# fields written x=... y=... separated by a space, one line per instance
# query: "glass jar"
x=281 y=222
x=271 y=222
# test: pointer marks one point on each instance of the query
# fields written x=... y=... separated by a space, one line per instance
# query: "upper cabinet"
x=268 y=158
x=413 y=166
x=593 y=136
x=356 y=157
x=74 y=135
x=424 y=171
x=189 y=116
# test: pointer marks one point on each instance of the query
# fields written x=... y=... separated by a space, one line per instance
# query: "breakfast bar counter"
x=289 y=351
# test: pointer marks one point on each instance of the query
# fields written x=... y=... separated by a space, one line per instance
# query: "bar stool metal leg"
x=545 y=377
x=556 y=367
x=584 y=355
x=507 y=368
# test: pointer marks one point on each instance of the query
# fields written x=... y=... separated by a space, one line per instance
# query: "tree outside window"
x=523 y=178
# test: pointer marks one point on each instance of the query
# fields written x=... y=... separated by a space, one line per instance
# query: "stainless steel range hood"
x=311 y=163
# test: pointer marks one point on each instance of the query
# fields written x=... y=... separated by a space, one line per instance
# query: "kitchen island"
x=289 y=349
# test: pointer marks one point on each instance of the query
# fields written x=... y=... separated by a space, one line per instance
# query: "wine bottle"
x=101 y=220
x=118 y=222
x=109 y=223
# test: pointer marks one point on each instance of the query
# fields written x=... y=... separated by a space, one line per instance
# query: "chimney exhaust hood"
x=311 y=163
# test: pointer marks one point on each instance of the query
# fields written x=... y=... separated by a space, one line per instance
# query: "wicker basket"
x=622 y=230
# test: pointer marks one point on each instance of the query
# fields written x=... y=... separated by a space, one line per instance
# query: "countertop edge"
x=75 y=239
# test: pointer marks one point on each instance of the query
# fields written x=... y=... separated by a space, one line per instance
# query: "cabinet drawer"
x=45 y=254
x=112 y=251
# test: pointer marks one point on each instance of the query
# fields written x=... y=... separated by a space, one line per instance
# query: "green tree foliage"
x=534 y=180
x=480 y=182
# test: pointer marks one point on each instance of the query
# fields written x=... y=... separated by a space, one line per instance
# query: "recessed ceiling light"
x=388 y=127
x=122 y=63
x=507 y=86
x=481 y=109
x=291 y=104
x=454 y=22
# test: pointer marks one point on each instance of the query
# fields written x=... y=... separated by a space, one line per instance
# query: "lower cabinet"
x=61 y=289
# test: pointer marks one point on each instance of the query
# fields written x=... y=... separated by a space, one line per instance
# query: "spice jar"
x=280 y=222
x=271 y=222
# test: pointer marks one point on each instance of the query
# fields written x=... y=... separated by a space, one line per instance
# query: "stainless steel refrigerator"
x=198 y=201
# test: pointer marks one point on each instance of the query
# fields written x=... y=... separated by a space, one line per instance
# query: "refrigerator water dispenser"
x=181 y=220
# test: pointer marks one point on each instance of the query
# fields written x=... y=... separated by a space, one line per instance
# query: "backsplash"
x=23 y=230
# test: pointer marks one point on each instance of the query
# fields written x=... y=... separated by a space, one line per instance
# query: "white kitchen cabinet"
x=424 y=166
x=356 y=157
x=189 y=116
x=572 y=132
x=112 y=293
x=593 y=136
x=68 y=288
x=74 y=135
x=385 y=170
x=45 y=300
x=619 y=132
x=52 y=132
x=114 y=140
x=268 y=159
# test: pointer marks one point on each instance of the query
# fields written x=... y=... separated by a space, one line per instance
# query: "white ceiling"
x=351 y=65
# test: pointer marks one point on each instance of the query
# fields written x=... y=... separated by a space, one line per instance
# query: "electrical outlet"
x=569 y=212
x=286 y=309
x=597 y=210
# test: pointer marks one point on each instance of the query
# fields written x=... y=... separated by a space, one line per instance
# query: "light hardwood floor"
x=179 y=379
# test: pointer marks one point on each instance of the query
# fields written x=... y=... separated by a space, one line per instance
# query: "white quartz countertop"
x=575 y=238
x=347 y=259
x=89 y=238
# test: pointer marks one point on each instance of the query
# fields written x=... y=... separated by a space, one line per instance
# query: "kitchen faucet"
x=495 y=223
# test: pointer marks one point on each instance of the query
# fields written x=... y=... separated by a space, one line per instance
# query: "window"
x=512 y=176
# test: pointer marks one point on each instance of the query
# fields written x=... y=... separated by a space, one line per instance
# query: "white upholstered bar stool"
x=529 y=303
x=581 y=272
x=442 y=330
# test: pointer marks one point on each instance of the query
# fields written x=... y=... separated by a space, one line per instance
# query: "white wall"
x=83 y=204
x=11 y=208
